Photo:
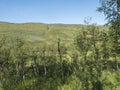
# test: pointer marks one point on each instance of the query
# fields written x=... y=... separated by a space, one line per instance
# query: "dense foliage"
x=90 y=66
x=89 y=62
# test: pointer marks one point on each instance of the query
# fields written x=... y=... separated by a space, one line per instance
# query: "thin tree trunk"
x=44 y=62
x=60 y=55
x=36 y=66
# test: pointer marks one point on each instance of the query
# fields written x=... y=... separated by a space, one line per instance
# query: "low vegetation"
x=62 y=57
x=85 y=62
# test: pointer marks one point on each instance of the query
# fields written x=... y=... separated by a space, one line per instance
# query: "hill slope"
x=40 y=32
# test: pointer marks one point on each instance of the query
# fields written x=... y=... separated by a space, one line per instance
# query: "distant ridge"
x=38 y=23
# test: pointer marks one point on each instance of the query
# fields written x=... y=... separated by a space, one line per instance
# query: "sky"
x=50 y=11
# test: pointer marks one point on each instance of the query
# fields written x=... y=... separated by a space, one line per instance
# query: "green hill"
x=40 y=32
x=31 y=58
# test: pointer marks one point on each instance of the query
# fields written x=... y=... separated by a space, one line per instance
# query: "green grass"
x=39 y=32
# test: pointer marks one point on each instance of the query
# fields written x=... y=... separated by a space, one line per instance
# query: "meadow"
x=37 y=56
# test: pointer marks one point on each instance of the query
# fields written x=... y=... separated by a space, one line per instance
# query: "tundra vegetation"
x=37 y=56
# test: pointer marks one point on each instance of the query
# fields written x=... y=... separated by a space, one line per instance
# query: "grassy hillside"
x=33 y=58
x=39 y=32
